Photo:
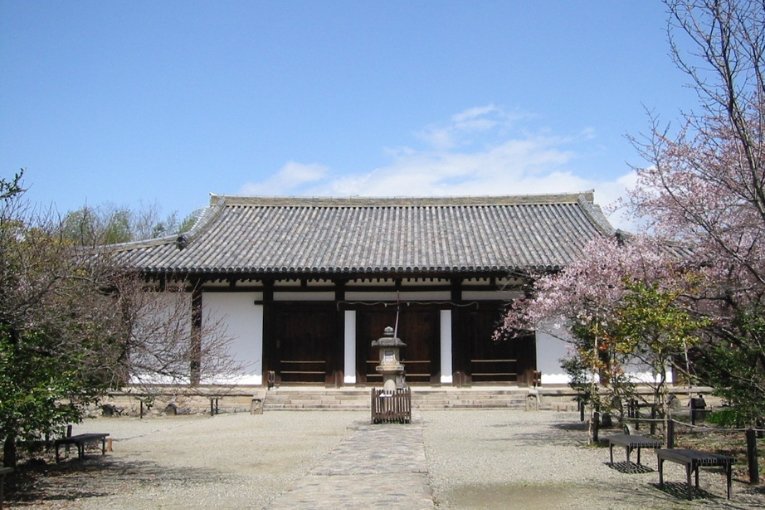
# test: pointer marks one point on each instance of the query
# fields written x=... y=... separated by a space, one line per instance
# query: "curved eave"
x=343 y=273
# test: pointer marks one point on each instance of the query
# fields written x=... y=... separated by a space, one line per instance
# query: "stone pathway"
x=378 y=466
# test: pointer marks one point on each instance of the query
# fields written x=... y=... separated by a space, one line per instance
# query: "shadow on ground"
x=552 y=495
x=629 y=467
x=569 y=426
x=40 y=482
x=679 y=490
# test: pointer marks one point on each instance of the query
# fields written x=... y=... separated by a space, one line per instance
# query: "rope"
x=713 y=429
x=398 y=309
x=701 y=428
x=386 y=304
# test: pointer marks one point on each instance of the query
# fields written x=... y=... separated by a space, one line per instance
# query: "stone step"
x=422 y=398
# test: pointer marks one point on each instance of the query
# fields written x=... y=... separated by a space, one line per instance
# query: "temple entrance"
x=418 y=327
x=305 y=337
x=481 y=359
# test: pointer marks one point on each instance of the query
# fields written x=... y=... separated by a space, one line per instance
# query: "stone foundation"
x=252 y=399
x=170 y=401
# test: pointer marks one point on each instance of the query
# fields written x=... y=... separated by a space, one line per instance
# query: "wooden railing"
x=494 y=369
x=391 y=406
x=302 y=370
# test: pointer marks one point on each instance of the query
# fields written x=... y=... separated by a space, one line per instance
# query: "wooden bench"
x=81 y=440
x=631 y=442
x=693 y=460
x=3 y=471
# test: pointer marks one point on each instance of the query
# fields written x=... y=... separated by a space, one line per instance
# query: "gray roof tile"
x=408 y=236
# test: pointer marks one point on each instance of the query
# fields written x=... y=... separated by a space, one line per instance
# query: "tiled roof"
x=365 y=236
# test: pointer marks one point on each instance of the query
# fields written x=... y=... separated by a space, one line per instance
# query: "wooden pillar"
x=195 y=364
x=670 y=439
x=338 y=357
x=269 y=349
x=751 y=457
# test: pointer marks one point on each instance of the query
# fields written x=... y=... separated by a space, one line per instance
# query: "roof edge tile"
x=265 y=201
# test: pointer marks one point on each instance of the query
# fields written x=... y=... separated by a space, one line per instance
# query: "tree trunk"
x=9 y=450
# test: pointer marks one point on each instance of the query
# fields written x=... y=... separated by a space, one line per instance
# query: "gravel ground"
x=475 y=459
x=502 y=459
x=231 y=461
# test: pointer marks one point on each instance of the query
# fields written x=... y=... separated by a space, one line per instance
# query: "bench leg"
x=697 y=476
x=729 y=476
x=103 y=446
x=611 y=452
x=688 y=480
x=628 y=450
x=638 y=449
x=661 y=473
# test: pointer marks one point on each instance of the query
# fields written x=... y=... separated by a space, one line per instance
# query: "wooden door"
x=305 y=336
x=418 y=328
x=480 y=357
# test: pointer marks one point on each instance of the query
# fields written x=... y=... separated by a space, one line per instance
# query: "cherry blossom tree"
x=705 y=186
x=620 y=303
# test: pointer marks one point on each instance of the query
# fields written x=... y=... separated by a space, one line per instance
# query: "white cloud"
x=288 y=179
x=475 y=153
x=613 y=196
x=466 y=126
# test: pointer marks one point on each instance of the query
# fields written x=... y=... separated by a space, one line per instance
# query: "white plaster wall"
x=552 y=347
x=446 y=346
x=349 y=342
x=642 y=373
x=243 y=321
x=550 y=350
x=163 y=314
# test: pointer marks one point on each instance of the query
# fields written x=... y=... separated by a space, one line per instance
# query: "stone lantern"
x=390 y=366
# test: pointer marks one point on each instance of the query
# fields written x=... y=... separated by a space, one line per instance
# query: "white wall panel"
x=446 y=346
x=549 y=352
x=243 y=321
x=349 y=343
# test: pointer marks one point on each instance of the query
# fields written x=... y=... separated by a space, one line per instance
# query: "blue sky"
x=134 y=103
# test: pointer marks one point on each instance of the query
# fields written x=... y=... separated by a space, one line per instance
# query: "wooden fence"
x=391 y=407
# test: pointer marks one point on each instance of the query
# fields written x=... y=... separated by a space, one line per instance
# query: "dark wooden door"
x=480 y=357
x=305 y=337
x=418 y=328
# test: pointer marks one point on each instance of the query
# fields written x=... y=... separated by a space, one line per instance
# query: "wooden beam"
x=456 y=290
x=339 y=290
x=195 y=364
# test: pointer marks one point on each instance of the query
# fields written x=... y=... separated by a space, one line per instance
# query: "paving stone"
x=376 y=466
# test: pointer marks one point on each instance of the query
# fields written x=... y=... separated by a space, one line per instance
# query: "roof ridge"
x=137 y=244
x=595 y=213
x=180 y=239
x=356 y=201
